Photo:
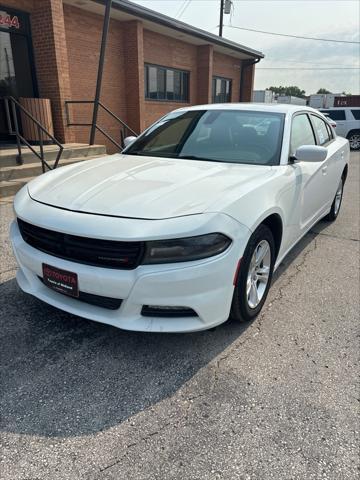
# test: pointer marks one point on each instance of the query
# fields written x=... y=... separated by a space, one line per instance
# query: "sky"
x=288 y=61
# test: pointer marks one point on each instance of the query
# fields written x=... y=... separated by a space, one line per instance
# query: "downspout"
x=246 y=64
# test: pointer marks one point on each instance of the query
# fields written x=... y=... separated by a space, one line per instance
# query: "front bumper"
x=205 y=286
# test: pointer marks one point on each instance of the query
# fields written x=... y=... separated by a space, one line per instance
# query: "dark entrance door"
x=16 y=63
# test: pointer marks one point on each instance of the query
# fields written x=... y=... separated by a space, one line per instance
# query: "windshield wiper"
x=195 y=157
x=166 y=155
x=150 y=154
x=135 y=152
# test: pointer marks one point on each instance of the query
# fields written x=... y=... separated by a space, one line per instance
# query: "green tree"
x=292 y=90
x=323 y=90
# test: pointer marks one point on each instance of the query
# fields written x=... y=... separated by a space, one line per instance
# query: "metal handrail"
x=124 y=125
x=20 y=139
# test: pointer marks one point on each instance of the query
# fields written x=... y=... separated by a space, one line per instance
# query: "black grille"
x=97 y=300
x=151 y=311
x=89 y=251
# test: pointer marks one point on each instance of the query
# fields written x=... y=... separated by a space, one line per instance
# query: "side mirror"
x=310 y=153
x=129 y=140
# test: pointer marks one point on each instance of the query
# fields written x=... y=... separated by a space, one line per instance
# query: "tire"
x=354 y=140
x=241 y=308
x=335 y=206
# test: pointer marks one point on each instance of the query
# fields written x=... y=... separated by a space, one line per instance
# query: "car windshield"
x=229 y=136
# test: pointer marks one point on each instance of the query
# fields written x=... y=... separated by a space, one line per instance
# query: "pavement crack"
x=288 y=281
x=134 y=444
x=338 y=237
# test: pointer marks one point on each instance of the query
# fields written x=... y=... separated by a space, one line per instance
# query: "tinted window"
x=221 y=90
x=301 y=133
x=337 y=114
x=232 y=136
x=356 y=114
x=321 y=130
x=163 y=83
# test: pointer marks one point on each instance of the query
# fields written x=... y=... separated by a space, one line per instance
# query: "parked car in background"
x=347 y=123
x=186 y=226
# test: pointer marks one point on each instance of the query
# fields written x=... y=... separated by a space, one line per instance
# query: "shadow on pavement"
x=65 y=376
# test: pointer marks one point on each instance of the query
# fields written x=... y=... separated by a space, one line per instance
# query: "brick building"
x=153 y=63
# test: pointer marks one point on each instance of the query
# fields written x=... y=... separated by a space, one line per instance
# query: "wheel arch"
x=353 y=130
x=275 y=223
x=345 y=173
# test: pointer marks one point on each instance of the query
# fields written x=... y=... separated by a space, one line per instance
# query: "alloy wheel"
x=258 y=274
x=354 y=141
x=338 y=197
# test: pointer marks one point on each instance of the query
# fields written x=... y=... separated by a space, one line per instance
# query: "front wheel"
x=254 y=279
x=335 y=207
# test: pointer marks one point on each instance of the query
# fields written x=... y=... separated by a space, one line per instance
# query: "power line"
x=293 y=36
x=302 y=68
x=179 y=15
x=180 y=8
x=306 y=63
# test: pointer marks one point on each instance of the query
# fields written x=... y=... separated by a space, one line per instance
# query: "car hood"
x=143 y=187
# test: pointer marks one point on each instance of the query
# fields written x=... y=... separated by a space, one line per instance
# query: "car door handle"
x=324 y=170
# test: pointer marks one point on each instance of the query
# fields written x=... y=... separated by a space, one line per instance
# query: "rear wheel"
x=354 y=140
x=255 y=275
x=335 y=207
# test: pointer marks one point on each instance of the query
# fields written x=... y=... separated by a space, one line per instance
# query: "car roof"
x=256 y=107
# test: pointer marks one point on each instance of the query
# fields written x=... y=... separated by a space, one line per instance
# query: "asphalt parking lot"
x=275 y=399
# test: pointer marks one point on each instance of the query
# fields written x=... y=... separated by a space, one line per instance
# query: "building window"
x=167 y=84
x=221 y=90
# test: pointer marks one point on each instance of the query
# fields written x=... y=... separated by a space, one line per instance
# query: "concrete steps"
x=12 y=179
x=71 y=150
x=13 y=176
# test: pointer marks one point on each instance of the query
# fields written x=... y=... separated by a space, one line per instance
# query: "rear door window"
x=321 y=130
x=356 y=114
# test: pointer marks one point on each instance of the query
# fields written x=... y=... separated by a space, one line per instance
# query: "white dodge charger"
x=185 y=228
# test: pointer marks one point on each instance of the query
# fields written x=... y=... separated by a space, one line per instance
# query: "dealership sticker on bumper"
x=62 y=281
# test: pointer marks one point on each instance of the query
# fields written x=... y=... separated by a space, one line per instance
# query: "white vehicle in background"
x=330 y=120
x=347 y=123
x=186 y=226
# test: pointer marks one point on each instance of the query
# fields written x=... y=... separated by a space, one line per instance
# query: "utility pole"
x=221 y=17
x=225 y=7
x=100 y=70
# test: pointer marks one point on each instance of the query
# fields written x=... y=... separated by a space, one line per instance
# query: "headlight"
x=185 y=249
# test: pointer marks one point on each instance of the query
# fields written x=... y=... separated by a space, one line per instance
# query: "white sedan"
x=186 y=227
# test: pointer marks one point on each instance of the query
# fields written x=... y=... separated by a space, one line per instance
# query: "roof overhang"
x=124 y=11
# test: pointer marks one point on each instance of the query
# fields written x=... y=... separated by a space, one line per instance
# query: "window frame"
x=328 y=128
x=166 y=69
x=226 y=79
